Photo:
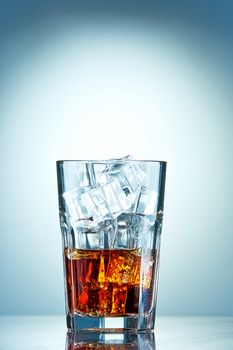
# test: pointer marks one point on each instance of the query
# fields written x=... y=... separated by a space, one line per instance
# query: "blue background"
x=100 y=79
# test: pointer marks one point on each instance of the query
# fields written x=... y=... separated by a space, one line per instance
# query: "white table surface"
x=49 y=332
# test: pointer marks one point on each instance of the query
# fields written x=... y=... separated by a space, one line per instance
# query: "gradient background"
x=99 y=79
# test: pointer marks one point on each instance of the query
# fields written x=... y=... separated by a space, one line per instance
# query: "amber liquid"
x=103 y=282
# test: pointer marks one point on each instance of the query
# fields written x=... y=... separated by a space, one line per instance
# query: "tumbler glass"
x=111 y=216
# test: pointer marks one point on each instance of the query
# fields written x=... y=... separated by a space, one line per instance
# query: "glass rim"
x=109 y=161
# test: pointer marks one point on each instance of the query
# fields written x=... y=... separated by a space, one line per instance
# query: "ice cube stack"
x=108 y=196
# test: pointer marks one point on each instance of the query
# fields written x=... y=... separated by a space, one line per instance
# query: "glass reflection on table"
x=110 y=341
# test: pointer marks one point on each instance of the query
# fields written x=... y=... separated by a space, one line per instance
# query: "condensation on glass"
x=111 y=216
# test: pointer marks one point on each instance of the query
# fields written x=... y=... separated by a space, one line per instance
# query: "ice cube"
x=108 y=194
x=94 y=240
x=86 y=206
x=94 y=204
x=134 y=175
x=130 y=177
x=117 y=162
x=124 y=235
x=133 y=231
x=94 y=237
x=123 y=267
x=109 y=227
x=99 y=202
x=147 y=202
x=102 y=238
x=88 y=237
x=88 y=175
x=81 y=208
x=127 y=231
x=102 y=177
x=129 y=174
x=75 y=210
x=115 y=198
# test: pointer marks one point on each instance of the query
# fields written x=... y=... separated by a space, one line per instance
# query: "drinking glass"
x=111 y=216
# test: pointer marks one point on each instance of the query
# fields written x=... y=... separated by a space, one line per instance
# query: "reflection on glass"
x=109 y=341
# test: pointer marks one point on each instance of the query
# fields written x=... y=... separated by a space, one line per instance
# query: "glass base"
x=136 y=323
